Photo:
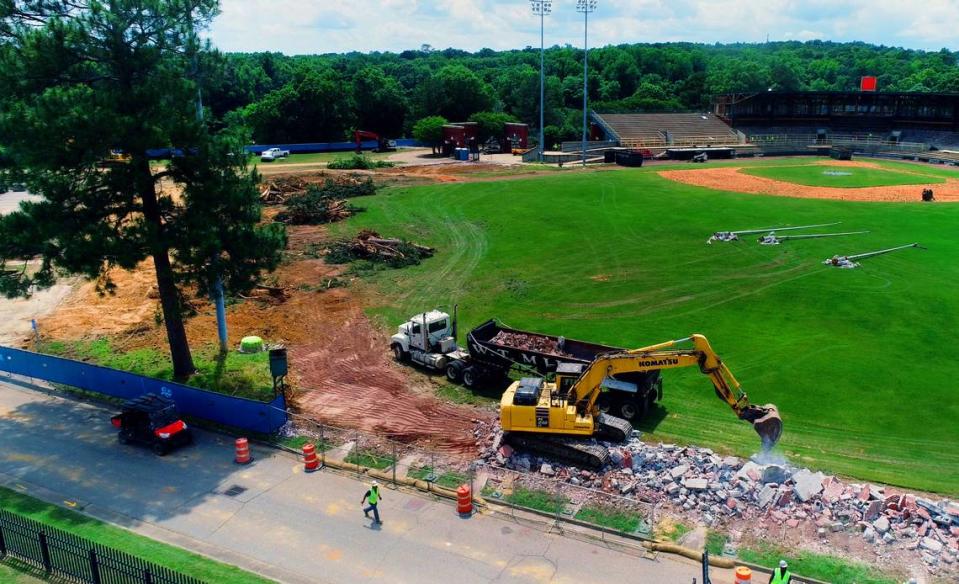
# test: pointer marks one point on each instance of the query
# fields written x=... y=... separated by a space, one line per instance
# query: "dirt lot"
x=343 y=372
x=730 y=179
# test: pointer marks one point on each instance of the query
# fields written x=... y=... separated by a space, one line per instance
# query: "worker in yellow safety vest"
x=373 y=496
x=781 y=575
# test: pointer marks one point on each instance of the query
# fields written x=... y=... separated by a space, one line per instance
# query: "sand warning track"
x=729 y=178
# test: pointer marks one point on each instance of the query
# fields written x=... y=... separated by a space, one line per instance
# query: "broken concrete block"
x=869 y=534
x=679 y=471
x=808 y=484
x=881 y=525
x=888 y=538
x=872 y=512
x=672 y=489
x=774 y=474
x=750 y=471
x=731 y=462
x=547 y=470
x=930 y=545
x=766 y=496
x=695 y=484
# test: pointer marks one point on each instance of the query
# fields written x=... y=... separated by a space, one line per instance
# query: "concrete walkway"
x=273 y=519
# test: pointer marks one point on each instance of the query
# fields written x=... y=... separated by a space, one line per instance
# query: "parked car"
x=152 y=420
x=272 y=154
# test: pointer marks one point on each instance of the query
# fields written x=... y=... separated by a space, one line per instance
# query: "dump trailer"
x=493 y=350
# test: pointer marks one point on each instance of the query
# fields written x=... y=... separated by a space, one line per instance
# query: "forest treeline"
x=324 y=97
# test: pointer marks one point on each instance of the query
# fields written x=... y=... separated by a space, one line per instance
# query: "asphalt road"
x=286 y=524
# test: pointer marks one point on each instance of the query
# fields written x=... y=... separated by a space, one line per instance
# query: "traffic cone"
x=243 y=455
x=311 y=463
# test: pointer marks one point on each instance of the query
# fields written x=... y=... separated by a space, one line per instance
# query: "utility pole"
x=585 y=6
x=542 y=8
x=217 y=291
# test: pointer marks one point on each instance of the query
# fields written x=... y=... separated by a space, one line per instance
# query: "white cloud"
x=320 y=26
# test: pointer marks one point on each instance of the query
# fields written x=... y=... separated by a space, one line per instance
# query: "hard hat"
x=376 y=483
x=782 y=563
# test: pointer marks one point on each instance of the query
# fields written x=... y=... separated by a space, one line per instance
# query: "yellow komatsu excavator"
x=553 y=418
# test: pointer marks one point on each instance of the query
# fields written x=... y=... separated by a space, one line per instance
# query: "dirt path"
x=730 y=178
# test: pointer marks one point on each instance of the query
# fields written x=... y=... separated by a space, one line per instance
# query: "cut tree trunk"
x=166 y=283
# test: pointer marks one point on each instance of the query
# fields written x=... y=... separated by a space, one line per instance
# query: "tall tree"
x=82 y=78
x=380 y=104
x=455 y=93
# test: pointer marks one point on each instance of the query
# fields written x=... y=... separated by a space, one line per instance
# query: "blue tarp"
x=238 y=412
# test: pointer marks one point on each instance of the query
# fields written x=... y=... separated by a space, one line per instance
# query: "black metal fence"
x=74 y=558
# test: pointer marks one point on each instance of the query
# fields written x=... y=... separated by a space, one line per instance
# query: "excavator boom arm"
x=586 y=390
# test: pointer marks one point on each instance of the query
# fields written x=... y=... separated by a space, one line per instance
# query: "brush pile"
x=368 y=245
x=280 y=189
x=317 y=205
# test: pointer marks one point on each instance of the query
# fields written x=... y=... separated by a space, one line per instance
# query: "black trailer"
x=629 y=395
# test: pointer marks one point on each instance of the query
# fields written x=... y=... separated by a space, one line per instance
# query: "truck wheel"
x=399 y=353
x=470 y=377
x=628 y=410
x=454 y=371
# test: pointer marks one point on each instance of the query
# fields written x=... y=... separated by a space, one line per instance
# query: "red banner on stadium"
x=867 y=84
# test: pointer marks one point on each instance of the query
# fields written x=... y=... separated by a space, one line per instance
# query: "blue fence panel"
x=265 y=417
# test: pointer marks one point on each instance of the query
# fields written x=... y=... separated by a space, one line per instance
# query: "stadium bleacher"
x=662 y=130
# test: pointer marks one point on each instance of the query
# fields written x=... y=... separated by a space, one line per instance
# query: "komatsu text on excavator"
x=553 y=418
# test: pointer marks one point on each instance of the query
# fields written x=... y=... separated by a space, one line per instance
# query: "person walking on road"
x=373 y=496
x=781 y=575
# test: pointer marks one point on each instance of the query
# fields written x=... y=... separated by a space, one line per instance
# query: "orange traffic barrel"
x=464 y=500
x=310 y=461
x=243 y=452
x=744 y=575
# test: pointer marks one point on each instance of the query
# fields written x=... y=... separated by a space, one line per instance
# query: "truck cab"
x=428 y=339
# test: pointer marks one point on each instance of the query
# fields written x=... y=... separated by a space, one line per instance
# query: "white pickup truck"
x=272 y=154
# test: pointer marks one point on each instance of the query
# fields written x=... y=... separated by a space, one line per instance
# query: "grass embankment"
x=370 y=459
x=449 y=479
x=819 y=566
x=171 y=557
x=237 y=374
x=620 y=258
x=843 y=176
x=610 y=517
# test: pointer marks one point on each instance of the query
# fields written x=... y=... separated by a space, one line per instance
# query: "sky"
x=337 y=26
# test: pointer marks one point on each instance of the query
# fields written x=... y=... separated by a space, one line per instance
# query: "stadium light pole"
x=541 y=8
x=585 y=6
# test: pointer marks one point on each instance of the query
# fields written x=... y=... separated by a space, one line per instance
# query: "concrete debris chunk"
x=881 y=525
x=930 y=545
x=807 y=484
x=695 y=484
x=766 y=496
x=679 y=471
x=774 y=474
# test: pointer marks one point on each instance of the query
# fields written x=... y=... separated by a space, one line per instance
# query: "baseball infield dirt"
x=728 y=178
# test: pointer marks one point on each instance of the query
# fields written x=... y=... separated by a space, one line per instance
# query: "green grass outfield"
x=851 y=176
x=860 y=362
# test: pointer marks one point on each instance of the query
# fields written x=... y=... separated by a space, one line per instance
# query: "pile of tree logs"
x=369 y=243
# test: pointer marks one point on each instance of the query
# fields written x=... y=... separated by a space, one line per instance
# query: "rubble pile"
x=721 y=490
x=526 y=342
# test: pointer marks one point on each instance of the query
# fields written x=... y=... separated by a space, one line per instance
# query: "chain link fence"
x=432 y=469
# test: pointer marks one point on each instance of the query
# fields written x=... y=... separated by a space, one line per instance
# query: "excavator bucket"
x=769 y=426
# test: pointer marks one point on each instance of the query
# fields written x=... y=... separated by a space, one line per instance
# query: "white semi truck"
x=429 y=340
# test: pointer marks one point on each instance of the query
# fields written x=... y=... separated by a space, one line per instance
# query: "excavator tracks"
x=612 y=428
x=571 y=450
